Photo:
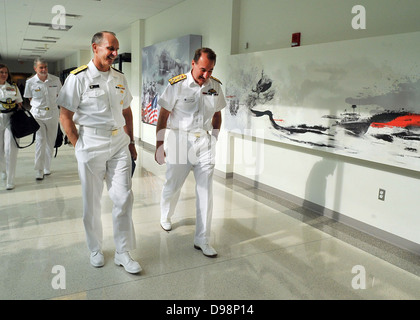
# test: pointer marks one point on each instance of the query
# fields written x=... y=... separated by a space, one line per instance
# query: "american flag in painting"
x=152 y=110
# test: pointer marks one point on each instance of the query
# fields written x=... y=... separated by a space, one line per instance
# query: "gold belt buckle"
x=8 y=106
x=114 y=132
x=197 y=136
x=47 y=108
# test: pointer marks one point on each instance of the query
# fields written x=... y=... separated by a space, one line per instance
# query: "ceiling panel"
x=95 y=16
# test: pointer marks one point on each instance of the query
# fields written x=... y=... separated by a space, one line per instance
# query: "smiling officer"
x=96 y=97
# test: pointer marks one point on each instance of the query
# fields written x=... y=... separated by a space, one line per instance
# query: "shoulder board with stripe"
x=80 y=69
x=177 y=78
x=215 y=79
x=117 y=70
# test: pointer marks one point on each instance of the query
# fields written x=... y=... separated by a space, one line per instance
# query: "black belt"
x=7 y=111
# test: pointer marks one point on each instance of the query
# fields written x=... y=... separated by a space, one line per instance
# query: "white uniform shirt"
x=9 y=94
x=192 y=107
x=43 y=95
x=96 y=101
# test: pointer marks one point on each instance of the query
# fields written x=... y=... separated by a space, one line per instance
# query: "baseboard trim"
x=388 y=237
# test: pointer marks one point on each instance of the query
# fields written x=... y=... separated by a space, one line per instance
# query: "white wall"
x=76 y=59
x=269 y=24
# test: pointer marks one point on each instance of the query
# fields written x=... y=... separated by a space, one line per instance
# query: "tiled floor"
x=268 y=248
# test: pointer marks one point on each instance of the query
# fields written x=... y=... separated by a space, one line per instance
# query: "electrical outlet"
x=381 y=195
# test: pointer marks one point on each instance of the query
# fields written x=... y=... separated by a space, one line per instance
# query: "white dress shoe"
x=166 y=225
x=124 y=259
x=39 y=175
x=97 y=259
x=207 y=250
x=47 y=172
x=10 y=186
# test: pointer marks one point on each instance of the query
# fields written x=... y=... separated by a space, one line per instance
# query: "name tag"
x=94 y=86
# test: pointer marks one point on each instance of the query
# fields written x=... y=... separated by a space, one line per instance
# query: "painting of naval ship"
x=353 y=123
x=341 y=97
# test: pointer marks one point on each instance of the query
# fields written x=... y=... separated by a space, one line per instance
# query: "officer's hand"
x=133 y=151
x=160 y=155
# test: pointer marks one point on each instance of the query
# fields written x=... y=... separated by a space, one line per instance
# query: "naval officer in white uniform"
x=10 y=100
x=190 y=107
x=42 y=90
x=97 y=99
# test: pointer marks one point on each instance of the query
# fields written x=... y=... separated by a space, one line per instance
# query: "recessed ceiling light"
x=50 y=26
x=39 y=24
x=34 y=50
x=74 y=16
x=40 y=40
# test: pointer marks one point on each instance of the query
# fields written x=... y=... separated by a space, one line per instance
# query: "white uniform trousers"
x=8 y=148
x=45 y=141
x=102 y=156
x=186 y=152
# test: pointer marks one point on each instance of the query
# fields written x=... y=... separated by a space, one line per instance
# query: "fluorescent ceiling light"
x=40 y=40
x=50 y=26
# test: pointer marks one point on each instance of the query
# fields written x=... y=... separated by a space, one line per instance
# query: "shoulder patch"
x=117 y=70
x=80 y=69
x=177 y=78
x=215 y=79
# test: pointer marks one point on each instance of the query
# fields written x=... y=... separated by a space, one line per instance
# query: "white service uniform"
x=45 y=110
x=190 y=146
x=97 y=100
x=9 y=98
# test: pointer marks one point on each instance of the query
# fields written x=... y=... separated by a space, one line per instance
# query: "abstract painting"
x=358 y=98
x=160 y=62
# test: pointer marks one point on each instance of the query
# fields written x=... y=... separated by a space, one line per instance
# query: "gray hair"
x=40 y=60
x=97 y=37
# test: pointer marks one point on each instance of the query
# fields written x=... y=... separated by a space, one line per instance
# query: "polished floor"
x=269 y=249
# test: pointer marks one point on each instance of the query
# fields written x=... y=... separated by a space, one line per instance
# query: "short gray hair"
x=40 y=60
x=97 y=37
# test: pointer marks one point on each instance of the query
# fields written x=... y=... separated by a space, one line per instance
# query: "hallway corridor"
x=268 y=248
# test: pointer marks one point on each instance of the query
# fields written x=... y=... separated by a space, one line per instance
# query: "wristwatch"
x=132 y=142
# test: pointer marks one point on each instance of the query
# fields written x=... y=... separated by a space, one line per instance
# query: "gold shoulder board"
x=80 y=69
x=216 y=79
x=177 y=78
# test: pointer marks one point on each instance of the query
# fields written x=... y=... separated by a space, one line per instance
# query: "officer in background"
x=10 y=100
x=97 y=99
x=192 y=103
x=42 y=90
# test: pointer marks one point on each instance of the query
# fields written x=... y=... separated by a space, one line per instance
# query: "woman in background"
x=10 y=99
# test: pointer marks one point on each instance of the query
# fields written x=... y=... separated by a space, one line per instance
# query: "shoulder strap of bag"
x=20 y=147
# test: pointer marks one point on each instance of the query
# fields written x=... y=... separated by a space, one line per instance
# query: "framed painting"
x=160 y=62
x=359 y=98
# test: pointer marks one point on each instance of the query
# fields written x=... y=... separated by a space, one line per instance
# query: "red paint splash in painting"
x=410 y=120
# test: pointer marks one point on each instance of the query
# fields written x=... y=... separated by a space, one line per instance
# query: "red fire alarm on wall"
x=296 y=39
